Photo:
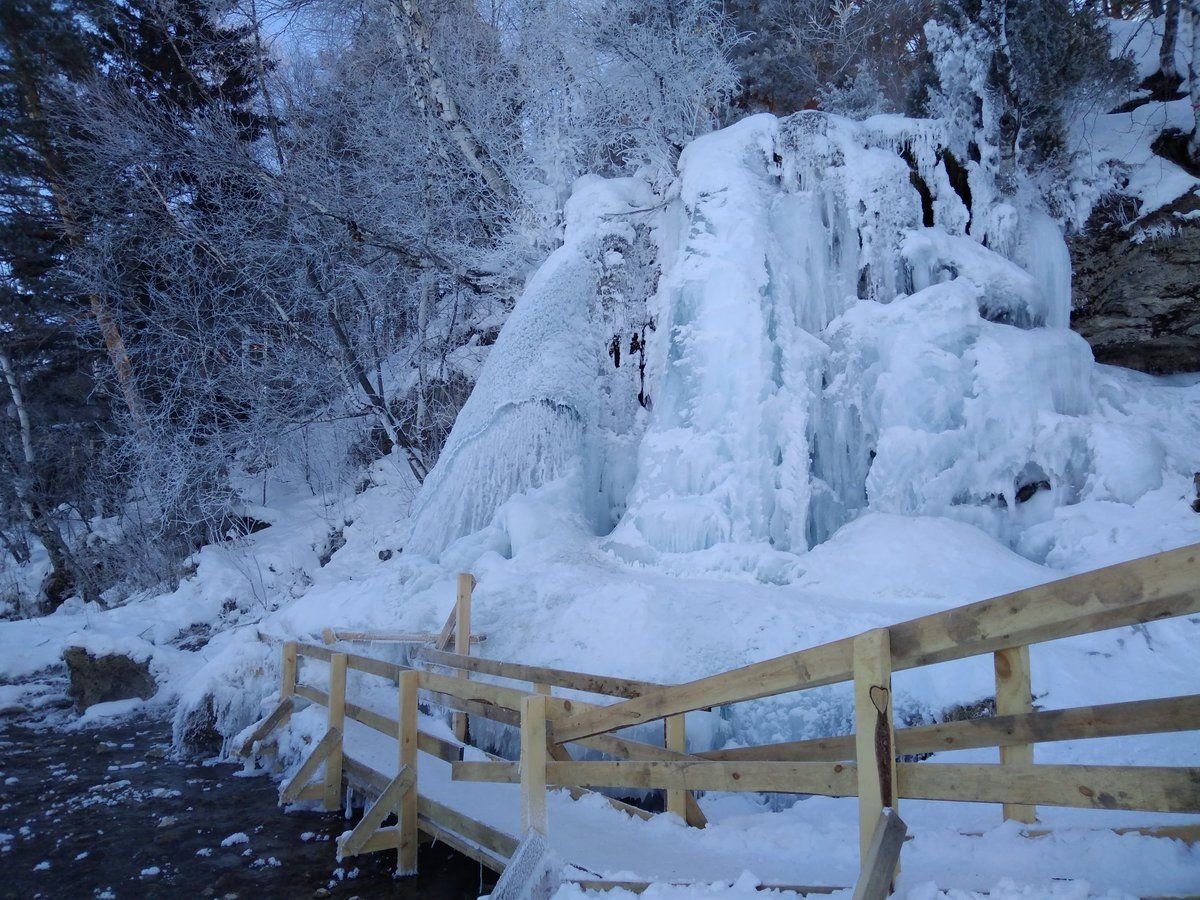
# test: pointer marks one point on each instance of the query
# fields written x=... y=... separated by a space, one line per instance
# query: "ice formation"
x=813 y=323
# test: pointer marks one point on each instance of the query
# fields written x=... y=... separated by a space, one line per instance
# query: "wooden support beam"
x=288 y=670
x=462 y=639
x=1148 y=788
x=333 y=635
x=1108 y=720
x=291 y=791
x=479 y=708
x=337 y=723
x=354 y=842
x=446 y=819
x=1014 y=696
x=827 y=779
x=675 y=738
x=408 y=740
x=277 y=718
x=640 y=887
x=607 y=685
x=882 y=859
x=533 y=764
x=874 y=740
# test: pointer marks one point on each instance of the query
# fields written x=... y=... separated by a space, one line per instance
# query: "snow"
x=850 y=418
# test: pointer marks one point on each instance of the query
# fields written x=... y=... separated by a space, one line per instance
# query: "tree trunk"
x=432 y=95
x=52 y=175
x=65 y=569
x=1164 y=83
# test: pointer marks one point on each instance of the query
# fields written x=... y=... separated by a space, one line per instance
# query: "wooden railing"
x=863 y=764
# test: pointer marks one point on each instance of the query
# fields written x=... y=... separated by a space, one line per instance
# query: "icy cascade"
x=808 y=327
x=536 y=411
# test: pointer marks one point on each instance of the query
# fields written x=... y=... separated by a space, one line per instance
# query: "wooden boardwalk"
x=419 y=770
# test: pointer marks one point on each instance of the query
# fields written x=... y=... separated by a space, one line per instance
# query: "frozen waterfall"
x=802 y=329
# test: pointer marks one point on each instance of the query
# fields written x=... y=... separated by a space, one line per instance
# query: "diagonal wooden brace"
x=277 y=718
x=355 y=842
x=326 y=746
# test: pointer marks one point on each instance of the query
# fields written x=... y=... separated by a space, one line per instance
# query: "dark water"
x=107 y=813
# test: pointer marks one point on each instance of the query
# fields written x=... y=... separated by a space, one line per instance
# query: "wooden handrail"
x=1043 y=726
x=1154 y=587
x=607 y=685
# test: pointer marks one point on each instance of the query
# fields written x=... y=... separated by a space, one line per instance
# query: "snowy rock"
x=107 y=677
x=1138 y=301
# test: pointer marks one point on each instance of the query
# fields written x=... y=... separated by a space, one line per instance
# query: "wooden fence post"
x=874 y=739
x=406 y=861
x=337 y=720
x=1014 y=695
x=287 y=678
x=533 y=763
x=462 y=639
x=675 y=735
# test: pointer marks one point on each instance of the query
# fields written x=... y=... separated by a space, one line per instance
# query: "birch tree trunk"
x=432 y=95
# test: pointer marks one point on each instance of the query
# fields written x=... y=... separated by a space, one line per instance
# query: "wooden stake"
x=676 y=739
x=1014 y=695
x=406 y=861
x=337 y=722
x=462 y=638
x=533 y=763
x=874 y=740
x=287 y=677
x=882 y=859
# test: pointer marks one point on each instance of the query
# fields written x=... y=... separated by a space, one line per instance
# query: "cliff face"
x=1138 y=302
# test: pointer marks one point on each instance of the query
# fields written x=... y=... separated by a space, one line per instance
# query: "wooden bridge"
x=426 y=775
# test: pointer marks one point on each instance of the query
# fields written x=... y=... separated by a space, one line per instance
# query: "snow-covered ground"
x=834 y=417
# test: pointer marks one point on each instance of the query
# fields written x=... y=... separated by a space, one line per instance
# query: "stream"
x=107 y=812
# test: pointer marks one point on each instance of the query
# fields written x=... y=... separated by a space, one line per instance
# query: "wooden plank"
x=313 y=651
x=462 y=640
x=446 y=635
x=278 y=717
x=288 y=670
x=467 y=848
x=640 y=887
x=336 y=716
x=882 y=858
x=447 y=819
x=477 y=708
x=1014 y=696
x=675 y=738
x=874 y=746
x=828 y=779
x=1143 y=590
x=826 y=664
x=366 y=779
x=406 y=862
x=325 y=746
x=383 y=839
x=333 y=635
x=309 y=793
x=497 y=695
x=1148 y=788
x=374 y=666
x=533 y=764
x=426 y=743
x=385 y=804
x=607 y=685
x=1108 y=720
